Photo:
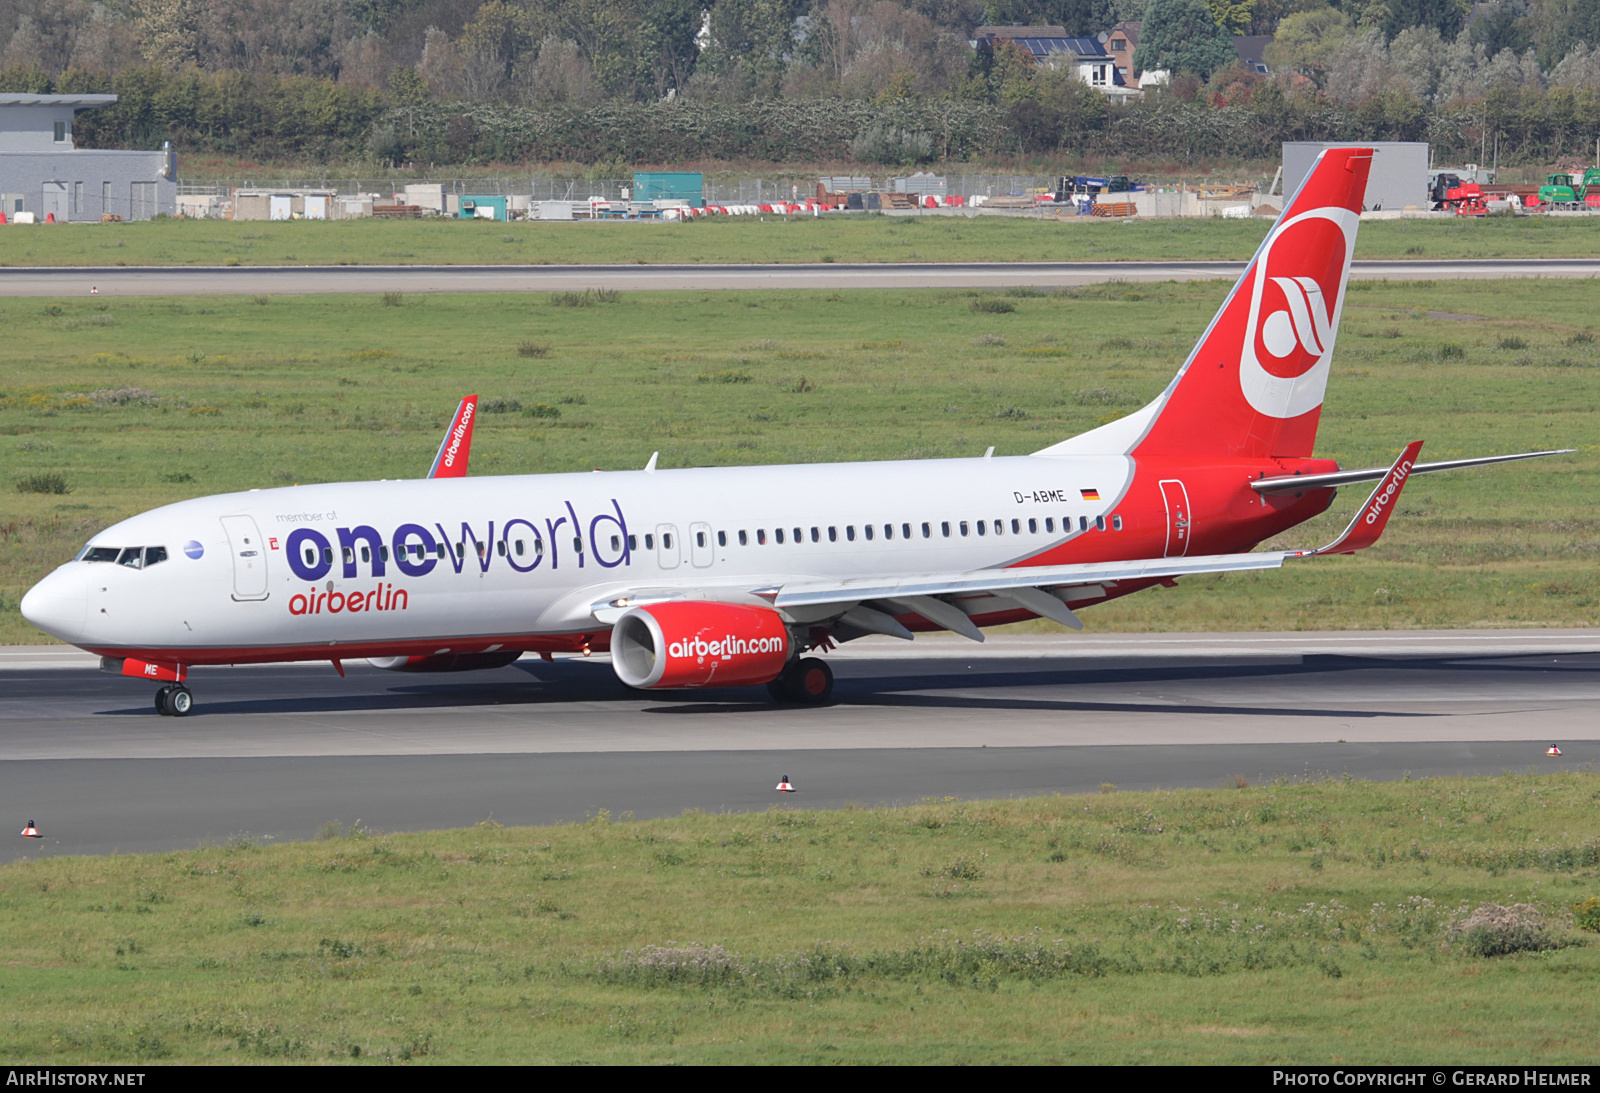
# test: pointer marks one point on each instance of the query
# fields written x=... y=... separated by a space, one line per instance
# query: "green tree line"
x=877 y=81
x=265 y=116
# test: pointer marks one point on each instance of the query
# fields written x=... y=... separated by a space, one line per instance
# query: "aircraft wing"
x=871 y=603
x=1040 y=589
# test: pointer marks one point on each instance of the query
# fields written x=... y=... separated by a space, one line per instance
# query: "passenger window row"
x=871 y=532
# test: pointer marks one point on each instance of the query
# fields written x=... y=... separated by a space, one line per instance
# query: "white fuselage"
x=551 y=545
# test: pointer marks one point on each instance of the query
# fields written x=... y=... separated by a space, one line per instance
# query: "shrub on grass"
x=1097 y=396
x=1495 y=930
x=500 y=406
x=43 y=483
x=123 y=396
x=532 y=349
x=1586 y=915
x=587 y=298
x=541 y=409
x=993 y=307
x=394 y=299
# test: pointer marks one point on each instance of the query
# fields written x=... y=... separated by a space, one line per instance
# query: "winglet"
x=1374 y=515
x=454 y=450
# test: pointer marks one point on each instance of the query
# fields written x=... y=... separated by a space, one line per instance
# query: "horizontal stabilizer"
x=1296 y=483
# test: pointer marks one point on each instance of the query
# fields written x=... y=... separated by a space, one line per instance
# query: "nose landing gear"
x=174 y=701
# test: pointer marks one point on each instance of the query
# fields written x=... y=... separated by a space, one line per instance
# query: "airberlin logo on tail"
x=728 y=648
x=1307 y=325
x=1297 y=292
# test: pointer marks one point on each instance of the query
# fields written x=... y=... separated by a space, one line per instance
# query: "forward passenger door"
x=249 y=558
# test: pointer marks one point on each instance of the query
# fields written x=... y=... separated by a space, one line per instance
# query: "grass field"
x=868 y=238
x=130 y=404
x=1321 y=922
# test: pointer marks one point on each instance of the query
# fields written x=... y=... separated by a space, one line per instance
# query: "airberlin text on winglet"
x=1397 y=478
x=459 y=432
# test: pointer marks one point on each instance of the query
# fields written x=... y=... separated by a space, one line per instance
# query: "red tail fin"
x=451 y=462
x=1254 y=384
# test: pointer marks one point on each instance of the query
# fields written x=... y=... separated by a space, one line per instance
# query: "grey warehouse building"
x=42 y=173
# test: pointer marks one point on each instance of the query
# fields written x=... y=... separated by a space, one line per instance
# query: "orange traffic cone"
x=1552 y=750
x=2 y=216
x=94 y=290
x=49 y=218
x=784 y=786
x=31 y=832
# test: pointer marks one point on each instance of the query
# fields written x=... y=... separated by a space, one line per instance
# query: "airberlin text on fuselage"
x=316 y=602
x=416 y=551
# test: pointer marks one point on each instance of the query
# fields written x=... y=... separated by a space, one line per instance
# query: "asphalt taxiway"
x=315 y=280
x=275 y=752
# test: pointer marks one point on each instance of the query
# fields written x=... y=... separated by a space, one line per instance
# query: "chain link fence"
x=1008 y=194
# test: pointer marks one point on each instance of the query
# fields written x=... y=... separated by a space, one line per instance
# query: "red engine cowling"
x=695 y=643
x=447 y=662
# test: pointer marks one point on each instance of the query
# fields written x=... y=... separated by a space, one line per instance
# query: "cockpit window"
x=132 y=557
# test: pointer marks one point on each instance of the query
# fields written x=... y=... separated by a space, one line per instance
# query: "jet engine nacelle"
x=447 y=662
x=696 y=643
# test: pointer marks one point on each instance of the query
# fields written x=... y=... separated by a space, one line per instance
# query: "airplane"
x=738 y=576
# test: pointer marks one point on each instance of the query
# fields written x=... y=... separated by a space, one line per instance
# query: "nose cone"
x=58 y=604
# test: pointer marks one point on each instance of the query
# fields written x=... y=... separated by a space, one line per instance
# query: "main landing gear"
x=174 y=701
x=804 y=682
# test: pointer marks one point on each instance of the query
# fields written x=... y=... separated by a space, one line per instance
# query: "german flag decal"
x=1090 y=495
